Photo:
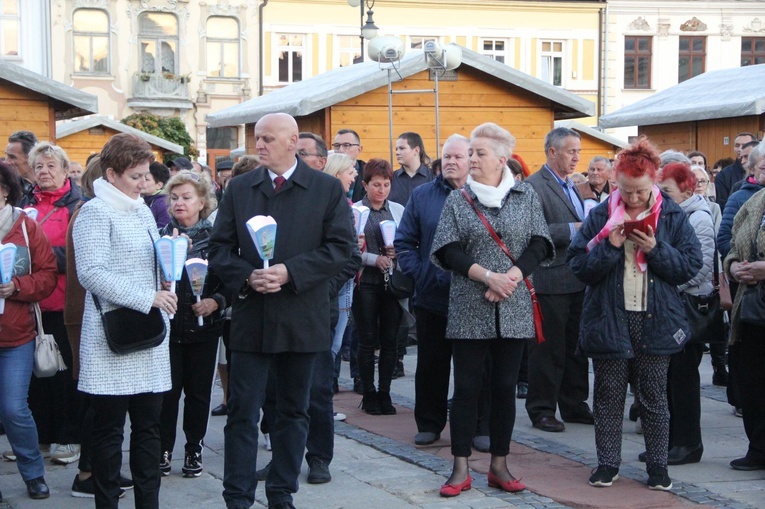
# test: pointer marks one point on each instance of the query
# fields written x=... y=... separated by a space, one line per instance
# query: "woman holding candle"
x=193 y=347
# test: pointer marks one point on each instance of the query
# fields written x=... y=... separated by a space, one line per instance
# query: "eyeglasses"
x=344 y=146
x=702 y=182
x=303 y=153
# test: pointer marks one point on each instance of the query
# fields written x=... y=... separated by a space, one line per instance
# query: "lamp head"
x=386 y=49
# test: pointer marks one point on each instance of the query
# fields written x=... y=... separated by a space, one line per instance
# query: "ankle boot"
x=386 y=406
x=720 y=376
x=371 y=404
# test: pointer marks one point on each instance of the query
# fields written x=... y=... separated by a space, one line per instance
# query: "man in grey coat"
x=557 y=375
x=281 y=317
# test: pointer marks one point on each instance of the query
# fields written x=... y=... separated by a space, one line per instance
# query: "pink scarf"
x=616 y=215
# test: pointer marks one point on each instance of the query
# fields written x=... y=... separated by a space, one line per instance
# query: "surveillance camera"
x=386 y=49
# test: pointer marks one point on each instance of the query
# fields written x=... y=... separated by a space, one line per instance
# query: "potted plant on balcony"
x=144 y=76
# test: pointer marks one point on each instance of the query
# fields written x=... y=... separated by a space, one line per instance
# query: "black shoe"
x=746 y=464
x=164 y=463
x=550 y=424
x=522 y=390
x=2 y=429
x=1 y=496
x=281 y=505
x=658 y=479
x=263 y=472
x=635 y=409
x=371 y=403
x=358 y=388
x=87 y=488
x=386 y=405
x=335 y=386
x=587 y=418
x=682 y=455
x=604 y=476
x=37 y=488
x=426 y=437
x=318 y=471
x=720 y=376
x=192 y=464
x=219 y=410
x=126 y=483
x=643 y=456
x=398 y=371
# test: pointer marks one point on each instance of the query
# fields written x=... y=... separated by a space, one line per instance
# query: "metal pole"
x=390 y=116
x=361 y=27
x=438 y=123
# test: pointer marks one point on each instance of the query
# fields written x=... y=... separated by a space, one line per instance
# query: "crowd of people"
x=506 y=281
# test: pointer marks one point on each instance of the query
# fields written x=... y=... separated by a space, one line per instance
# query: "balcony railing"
x=159 y=86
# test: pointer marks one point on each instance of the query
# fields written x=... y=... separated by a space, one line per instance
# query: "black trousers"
x=557 y=375
x=684 y=396
x=434 y=364
x=86 y=434
x=192 y=368
x=469 y=369
x=108 y=429
x=377 y=315
x=751 y=356
x=55 y=402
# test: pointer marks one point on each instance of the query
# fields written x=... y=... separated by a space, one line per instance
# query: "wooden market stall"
x=356 y=97
x=32 y=102
x=83 y=137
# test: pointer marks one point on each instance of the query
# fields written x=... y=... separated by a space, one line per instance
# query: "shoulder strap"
x=50 y=213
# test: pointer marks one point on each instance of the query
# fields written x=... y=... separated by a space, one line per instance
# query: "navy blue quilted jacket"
x=674 y=261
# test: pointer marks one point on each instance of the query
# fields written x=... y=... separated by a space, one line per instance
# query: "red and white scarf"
x=616 y=215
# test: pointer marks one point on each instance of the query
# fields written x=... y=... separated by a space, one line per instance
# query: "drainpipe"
x=260 y=49
x=604 y=56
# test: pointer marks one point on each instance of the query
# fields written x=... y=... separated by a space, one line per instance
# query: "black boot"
x=386 y=406
x=371 y=404
x=720 y=376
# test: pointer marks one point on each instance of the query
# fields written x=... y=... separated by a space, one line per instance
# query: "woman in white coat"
x=114 y=238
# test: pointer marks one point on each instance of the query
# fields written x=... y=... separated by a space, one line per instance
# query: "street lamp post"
x=368 y=30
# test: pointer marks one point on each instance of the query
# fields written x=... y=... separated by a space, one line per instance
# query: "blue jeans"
x=246 y=394
x=16 y=365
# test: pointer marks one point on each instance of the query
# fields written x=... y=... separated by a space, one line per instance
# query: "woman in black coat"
x=193 y=348
x=633 y=317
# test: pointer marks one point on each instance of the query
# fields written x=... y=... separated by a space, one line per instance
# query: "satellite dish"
x=386 y=49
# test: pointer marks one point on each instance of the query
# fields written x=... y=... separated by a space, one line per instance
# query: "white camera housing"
x=386 y=49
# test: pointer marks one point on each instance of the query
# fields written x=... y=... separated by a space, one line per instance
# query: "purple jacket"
x=158 y=205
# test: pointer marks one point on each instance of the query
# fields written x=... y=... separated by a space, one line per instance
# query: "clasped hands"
x=749 y=273
x=502 y=285
x=645 y=241
x=269 y=280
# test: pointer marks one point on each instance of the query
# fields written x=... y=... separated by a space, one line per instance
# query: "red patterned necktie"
x=278 y=183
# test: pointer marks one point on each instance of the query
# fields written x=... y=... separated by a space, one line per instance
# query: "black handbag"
x=751 y=309
x=128 y=331
x=399 y=285
x=706 y=317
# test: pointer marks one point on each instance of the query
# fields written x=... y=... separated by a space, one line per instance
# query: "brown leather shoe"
x=549 y=424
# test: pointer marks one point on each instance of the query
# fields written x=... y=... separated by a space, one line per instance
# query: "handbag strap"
x=496 y=238
x=156 y=268
x=36 y=305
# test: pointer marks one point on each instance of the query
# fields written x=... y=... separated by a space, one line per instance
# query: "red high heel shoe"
x=452 y=490
x=512 y=486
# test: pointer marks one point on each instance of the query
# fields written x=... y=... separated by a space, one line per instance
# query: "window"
x=221 y=138
x=691 y=58
x=494 y=48
x=349 y=50
x=551 y=65
x=158 y=40
x=222 y=47
x=418 y=41
x=290 y=48
x=637 y=62
x=752 y=51
x=9 y=28
x=91 y=41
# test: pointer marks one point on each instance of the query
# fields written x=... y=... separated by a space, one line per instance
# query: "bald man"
x=280 y=320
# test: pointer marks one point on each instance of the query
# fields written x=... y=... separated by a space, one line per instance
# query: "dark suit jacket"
x=358 y=191
x=725 y=180
x=314 y=239
x=555 y=278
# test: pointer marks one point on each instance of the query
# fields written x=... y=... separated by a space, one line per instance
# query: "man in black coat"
x=281 y=316
x=733 y=173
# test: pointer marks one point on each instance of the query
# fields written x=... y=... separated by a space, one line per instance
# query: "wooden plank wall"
x=474 y=98
x=592 y=147
x=707 y=136
x=79 y=146
x=23 y=109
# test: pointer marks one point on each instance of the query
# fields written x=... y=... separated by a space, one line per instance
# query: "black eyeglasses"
x=344 y=146
x=303 y=153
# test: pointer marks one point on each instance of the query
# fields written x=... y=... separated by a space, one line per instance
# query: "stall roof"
x=716 y=94
x=592 y=131
x=338 y=85
x=68 y=128
x=69 y=102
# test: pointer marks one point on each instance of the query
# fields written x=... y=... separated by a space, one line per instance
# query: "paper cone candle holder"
x=196 y=270
x=172 y=256
x=360 y=216
x=7 y=262
x=263 y=232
